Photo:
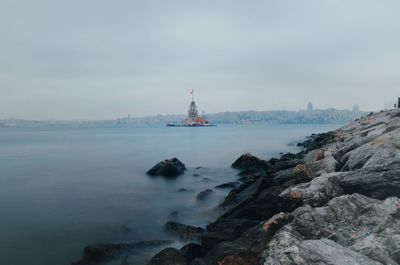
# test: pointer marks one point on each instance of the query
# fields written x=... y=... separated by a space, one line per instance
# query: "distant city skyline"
x=101 y=60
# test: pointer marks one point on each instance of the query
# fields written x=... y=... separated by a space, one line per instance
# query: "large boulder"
x=350 y=229
x=323 y=251
x=168 y=168
x=251 y=165
x=184 y=232
x=378 y=182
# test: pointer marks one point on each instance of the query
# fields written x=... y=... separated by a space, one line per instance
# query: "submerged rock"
x=99 y=253
x=184 y=232
x=204 y=194
x=168 y=168
x=168 y=256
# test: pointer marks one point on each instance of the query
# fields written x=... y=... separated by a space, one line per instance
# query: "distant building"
x=398 y=103
x=356 y=108
x=193 y=118
x=310 y=107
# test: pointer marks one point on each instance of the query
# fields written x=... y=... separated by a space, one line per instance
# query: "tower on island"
x=193 y=112
x=193 y=118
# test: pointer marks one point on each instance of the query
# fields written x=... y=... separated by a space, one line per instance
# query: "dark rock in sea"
x=126 y=229
x=204 y=194
x=174 y=215
x=205 y=179
x=246 y=193
x=185 y=190
x=99 y=253
x=191 y=251
x=317 y=141
x=224 y=230
x=184 y=232
x=249 y=246
x=168 y=256
x=228 y=185
x=249 y=164
x=167 y=168
x=196 y=175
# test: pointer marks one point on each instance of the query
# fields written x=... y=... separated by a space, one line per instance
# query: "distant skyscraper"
x=356 y=108
x=398 y=103
x=310 y=107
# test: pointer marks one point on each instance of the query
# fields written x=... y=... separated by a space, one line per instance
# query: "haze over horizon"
x=105 y=59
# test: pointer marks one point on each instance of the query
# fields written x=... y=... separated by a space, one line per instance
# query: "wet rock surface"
x=168 y=168
x=184 y=232
x=251 y=165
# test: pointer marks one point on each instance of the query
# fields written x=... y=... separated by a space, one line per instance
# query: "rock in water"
x=168 y=256
x=251 y=165
x=100 y=253
x=185 y=232
x=168 y=168
x=204 y=194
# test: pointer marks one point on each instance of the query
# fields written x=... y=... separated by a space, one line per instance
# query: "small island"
x=193 y=119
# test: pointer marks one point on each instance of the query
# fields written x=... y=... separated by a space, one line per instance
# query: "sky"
x=101 y=59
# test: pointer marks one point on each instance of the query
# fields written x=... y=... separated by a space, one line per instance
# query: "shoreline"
x=263 y=214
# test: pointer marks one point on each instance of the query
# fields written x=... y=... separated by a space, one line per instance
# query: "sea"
x=62 y=188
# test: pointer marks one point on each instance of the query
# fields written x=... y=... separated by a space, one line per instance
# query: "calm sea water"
x=62 y=188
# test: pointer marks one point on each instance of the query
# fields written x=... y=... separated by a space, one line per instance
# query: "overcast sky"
x=95 y=59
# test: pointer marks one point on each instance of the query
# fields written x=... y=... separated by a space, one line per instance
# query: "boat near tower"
x=193 y=119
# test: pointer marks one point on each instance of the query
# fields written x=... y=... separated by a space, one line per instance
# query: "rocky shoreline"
x=335 y=202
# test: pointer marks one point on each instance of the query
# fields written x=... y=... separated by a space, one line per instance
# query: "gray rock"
x=318 y=252
x=167 y=168
x=359 y=229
